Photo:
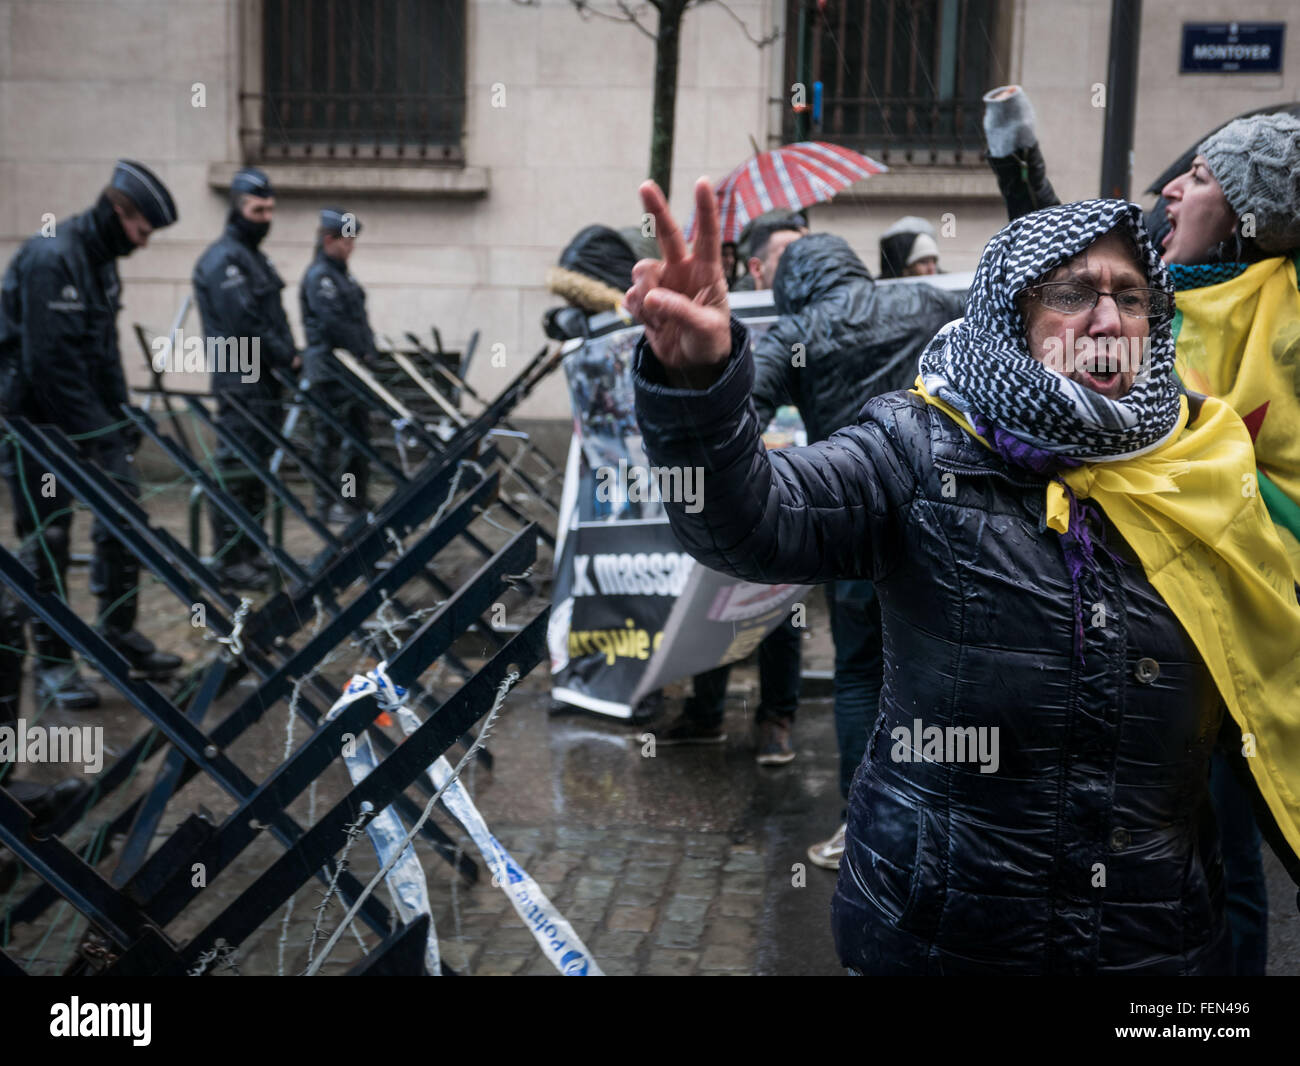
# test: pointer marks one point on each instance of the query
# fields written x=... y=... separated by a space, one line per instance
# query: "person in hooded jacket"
x=1229 y=230
x=1034 y=799
x=239 y=296
x=840 y=340
x=334 y=316
x=60 y=366
x=780 y=653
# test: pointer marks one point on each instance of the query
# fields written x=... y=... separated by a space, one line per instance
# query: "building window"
x=901 y=80
x=359 y=80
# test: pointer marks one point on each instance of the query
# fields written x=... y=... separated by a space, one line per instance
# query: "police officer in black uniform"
x=334 y=316
x=60 y=365
x=238 y=293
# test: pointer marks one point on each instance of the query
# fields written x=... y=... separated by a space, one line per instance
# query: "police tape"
x=562 y=946
x=406 y=881
x=559 y=942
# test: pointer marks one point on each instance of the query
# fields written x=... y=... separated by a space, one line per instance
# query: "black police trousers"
x=43 y=523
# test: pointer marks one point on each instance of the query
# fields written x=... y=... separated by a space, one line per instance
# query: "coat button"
x=1119 y=839
x=1147 y=670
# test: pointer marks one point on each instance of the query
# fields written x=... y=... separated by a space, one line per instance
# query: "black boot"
x=46 y=802
x=146 y=661
x=243 y=575
x=62 y=685
x=59 y=682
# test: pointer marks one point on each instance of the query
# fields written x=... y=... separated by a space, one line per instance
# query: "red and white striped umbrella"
x=792 y=176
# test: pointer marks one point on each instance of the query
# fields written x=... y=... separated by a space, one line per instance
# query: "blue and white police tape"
x=556 y=937
x=559 y=942
x=406 y=882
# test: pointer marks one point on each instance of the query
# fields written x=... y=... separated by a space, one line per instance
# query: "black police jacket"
x=841 y=338
x=239 y=297
x=59 y=358
x=333 y=316
x=1085 y=842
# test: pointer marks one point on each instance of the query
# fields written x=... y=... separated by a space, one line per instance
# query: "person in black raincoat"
x=239 y=296
x=842 y=339
x=334 y=316
x=60 y=366
x=962 y=863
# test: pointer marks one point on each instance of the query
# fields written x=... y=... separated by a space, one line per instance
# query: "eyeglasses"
x=1071 y=298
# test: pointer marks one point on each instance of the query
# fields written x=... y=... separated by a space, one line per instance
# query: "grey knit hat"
x=1257 y=162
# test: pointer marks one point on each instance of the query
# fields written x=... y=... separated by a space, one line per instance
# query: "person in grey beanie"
x=1240 y=200
x=1233 y=236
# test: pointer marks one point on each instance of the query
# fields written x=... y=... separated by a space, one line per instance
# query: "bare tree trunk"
x=667 y=50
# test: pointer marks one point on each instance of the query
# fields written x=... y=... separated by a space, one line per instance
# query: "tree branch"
x=761 y=42
x=626 y=14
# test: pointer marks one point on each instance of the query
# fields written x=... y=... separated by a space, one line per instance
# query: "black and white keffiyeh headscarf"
x=981 y=364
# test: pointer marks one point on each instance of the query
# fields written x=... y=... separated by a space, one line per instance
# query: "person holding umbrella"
x=780 y=655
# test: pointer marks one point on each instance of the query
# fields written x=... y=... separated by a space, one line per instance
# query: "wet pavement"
x=688 y=861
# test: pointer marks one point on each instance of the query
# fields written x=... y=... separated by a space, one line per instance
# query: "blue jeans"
x=1243 y=869
x=779 y=668
x=859 y=670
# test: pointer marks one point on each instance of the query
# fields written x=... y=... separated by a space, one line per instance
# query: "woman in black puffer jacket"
x=1062 y=825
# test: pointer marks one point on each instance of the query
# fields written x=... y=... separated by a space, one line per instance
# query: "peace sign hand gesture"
x=682 y=299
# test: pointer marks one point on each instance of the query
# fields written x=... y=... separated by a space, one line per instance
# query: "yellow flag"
x=1240 y=340
x=1190 y=512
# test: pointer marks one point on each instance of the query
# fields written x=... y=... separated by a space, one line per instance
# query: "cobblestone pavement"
x=644 y=902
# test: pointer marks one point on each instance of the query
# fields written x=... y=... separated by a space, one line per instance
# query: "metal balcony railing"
x=352 y=126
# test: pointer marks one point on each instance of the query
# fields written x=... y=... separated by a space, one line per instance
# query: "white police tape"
x=406 y=882
x=559 y=942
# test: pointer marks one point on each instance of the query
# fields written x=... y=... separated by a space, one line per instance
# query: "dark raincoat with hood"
x=841 y=338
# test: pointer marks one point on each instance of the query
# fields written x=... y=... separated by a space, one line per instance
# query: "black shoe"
x=243 y=576
x=683 y=730
x=261 y=563
x=650 y=707
x=10 y=870
x=147 y=662
x=47 y=802
x=63 y=686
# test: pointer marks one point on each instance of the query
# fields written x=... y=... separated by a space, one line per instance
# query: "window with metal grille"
x=901 y=80
x=360 y=80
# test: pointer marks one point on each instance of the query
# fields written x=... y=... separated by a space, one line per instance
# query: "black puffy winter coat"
x=1091 y=847
x=841 y=338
